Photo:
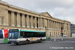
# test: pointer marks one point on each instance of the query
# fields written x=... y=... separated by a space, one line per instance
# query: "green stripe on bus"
x=30 y=31
x=5 y=40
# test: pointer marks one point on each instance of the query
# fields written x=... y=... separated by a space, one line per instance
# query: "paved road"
x=46 y=45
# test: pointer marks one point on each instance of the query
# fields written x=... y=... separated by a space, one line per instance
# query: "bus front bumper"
x=14 y=42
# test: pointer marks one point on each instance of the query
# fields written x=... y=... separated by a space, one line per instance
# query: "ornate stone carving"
x=2 y=11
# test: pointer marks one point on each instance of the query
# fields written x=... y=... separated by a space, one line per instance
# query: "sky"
x=62 y=9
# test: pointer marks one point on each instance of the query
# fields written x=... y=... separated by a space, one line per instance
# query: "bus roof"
x=31 y=31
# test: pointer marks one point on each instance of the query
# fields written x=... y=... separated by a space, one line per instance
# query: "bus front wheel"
x=27 y=42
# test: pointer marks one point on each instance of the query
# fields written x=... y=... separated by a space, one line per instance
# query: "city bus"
x=18 y=36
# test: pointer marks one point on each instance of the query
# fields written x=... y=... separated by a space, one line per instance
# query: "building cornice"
x=16 y=7
x=33 y=12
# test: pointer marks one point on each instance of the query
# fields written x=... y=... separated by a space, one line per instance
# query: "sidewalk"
x=63 y=37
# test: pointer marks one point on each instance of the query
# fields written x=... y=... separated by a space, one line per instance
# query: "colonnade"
x=29 y=21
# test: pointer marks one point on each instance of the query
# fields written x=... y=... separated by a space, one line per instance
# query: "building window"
x=2 y=20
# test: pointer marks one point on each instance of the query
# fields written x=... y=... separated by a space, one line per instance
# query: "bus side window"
x=21 y=34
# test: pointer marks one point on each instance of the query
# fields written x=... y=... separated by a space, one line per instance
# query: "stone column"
x=35 y=23
x=60 y=26
x=56 y=26
x=51 y=24
x=12 y=19
x=44 y=23
x=6 y=18
x=64 y=26
x=23 y=20
x=27 y=21
x=48 y=23
x=38 y=23
x=18 y=19
x=0 y=20
x=31 y=21
x=69 y=27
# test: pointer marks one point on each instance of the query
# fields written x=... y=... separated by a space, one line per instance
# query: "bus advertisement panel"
x=1 y=34
x=4 y=36
x=6 y=33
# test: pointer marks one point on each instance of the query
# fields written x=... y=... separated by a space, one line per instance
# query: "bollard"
x=62 y=38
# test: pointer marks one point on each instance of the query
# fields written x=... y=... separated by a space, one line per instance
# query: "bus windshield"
x=13 y=34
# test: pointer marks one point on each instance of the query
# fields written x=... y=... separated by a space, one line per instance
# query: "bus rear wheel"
x=39 y=41
x=17 y=44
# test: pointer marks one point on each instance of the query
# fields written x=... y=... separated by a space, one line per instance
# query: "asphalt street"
x=68 y=44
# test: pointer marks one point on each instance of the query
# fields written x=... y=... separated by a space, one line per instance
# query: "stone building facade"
x=12 y=17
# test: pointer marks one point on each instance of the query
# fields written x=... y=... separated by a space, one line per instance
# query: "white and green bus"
x=17 y=36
